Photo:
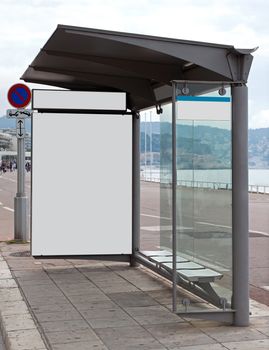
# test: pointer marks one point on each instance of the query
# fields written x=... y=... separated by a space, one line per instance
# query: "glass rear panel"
x=149 y=182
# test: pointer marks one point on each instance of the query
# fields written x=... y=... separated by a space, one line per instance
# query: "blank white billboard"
x=81 y=184
x=203 y=108
x=78 y=100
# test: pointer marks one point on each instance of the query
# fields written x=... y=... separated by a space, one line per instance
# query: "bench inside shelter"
x=186 y=269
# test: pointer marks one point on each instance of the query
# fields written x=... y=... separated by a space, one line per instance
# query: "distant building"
x=5 y=141
x=8 y=140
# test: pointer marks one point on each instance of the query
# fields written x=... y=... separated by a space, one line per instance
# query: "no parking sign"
x=19 y=95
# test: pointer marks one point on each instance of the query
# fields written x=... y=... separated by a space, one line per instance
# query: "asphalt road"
x=152 y=220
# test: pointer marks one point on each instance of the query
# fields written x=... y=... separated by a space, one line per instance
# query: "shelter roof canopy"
x=143 y=66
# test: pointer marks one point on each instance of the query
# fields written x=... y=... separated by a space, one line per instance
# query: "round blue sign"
x=19 y=95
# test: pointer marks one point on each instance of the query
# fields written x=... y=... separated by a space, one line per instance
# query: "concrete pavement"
x=79 y=304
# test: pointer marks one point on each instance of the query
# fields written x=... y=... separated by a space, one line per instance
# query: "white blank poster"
x=81 y=184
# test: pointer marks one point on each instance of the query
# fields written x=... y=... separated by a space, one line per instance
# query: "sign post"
x=19 y=96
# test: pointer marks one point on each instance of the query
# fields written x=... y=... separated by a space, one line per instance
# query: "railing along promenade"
x=205 y=184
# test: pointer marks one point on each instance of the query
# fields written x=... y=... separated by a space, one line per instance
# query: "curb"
x=17 y=325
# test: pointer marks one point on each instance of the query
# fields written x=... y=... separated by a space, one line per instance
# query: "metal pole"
x=136 y=188
x=20 y=201
x=174 y=197
x=150 y=149
x=240 y=300
x=145 y=132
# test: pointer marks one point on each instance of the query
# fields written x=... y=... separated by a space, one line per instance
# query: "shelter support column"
x=136 y=188
x=240 y=300
x=174 y=197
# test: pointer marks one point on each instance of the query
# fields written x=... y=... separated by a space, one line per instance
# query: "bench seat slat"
x=187 y=265
x=201 y=275
x=152 y=253
x=166 y=259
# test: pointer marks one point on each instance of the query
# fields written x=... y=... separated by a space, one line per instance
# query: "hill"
x=204 y=146
x=200 y=146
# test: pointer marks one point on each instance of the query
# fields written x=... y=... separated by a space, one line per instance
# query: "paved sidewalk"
x=80 y=304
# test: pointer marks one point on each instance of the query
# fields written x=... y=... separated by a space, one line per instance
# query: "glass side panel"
x=204 y=196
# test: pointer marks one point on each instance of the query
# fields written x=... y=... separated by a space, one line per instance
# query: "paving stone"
x=89 y=345
x=119 y=289
x=5 y=274
x=69 y=277
x=31 y=274
x=152 y=315
x=35 y=282
x=128 y=338
x=95 y=305
x=88 y=298
x=58 y=316
x=60 y=326
x=41 y=288
x=204 y=347
x=263 y=330
x=18 y=322
x=91 y=267
x=122 y=285
x=46 y=290
x=7 y=283
x=71 y=336
x=229 y=333
x=64 y=282
x=132 y=299
x=13 y=308
x=29 y=339
x=51 y=263
x=258 y=310
x=60 y=269
x=10 y=294
x=112 y=317
x=105 y=277
x=175 y=335
x=248 y=345
x=162 y=296
x=55 y=307
x=263 y=320
x=3 y=265
x=43 y=300
x=69 y=287
x=22 y=264
x=79 y=289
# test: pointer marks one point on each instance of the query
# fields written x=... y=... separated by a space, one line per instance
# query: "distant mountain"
x=258 y=148
x=9 y=123
x=204 y=146
x=199 y=146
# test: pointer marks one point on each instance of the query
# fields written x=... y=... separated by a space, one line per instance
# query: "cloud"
x=259 y=120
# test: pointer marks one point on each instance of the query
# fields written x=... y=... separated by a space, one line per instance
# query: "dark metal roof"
x=143 y=66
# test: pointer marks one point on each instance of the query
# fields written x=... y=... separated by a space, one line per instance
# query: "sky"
x=26 y=25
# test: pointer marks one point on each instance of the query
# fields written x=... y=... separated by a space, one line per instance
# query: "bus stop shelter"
x=195 y=86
